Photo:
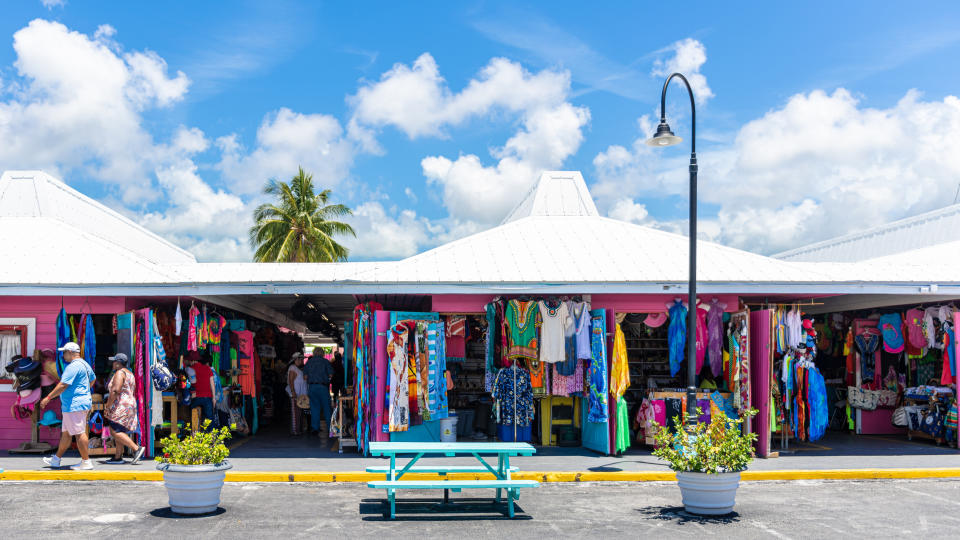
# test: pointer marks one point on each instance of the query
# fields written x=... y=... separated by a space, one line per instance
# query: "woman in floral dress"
x=120 y=411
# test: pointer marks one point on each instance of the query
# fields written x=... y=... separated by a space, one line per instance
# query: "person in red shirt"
x=203 y=387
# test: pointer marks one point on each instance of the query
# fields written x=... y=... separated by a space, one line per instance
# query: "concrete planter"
x=708 y=494
x=194 y=489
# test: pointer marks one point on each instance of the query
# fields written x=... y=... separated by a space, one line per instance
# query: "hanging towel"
x=89 y=351
x=623 y=426
x=63 y=336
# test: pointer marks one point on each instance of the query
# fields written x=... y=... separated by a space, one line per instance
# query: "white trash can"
x=448 y=429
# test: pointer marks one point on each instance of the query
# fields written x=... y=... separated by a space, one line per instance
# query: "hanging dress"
x=715 y=337
x=677 y=336
x=701 y=337
x=521 y=322
x=555 y=322
x=399 y=412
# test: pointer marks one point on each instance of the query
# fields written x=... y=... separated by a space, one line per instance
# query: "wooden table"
x=416 y=450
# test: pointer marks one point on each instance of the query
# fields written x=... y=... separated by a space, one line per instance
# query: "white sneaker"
x=84 y=465
x=52 y=461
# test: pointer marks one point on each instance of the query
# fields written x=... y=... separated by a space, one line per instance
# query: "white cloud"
x=385 y=233
x=820 y=166
x=285 y=141
x=416 y=100
x=627 y=210
x=50 y=4
x=689 y=55
x=77 y=105
x=474 y=191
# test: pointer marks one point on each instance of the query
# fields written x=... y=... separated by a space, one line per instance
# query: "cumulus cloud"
x=417 y=100
x=820 y=166
x=78 y=105
x=689 y=55
x=383 y=232
x=50 y=4
x=286 y=140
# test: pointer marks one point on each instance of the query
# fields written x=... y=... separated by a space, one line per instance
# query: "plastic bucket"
x=448 y=429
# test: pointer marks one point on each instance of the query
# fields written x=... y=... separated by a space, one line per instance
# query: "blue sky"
x=431 y=119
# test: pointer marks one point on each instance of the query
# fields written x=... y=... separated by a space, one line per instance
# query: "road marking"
x=937 y=497
x=768 y=530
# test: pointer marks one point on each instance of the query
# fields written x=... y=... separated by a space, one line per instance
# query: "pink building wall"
x=44 y=309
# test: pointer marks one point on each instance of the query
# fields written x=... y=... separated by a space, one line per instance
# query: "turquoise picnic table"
x=416 y=450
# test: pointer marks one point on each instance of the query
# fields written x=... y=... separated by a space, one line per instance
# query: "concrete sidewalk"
x=296 y=455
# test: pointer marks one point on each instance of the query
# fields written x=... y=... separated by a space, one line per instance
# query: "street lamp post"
x=665 y=137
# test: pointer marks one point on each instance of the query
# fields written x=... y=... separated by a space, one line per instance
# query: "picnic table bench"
x=502 y=472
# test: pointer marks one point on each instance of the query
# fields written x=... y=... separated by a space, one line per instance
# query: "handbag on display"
x=899 y=417
x=161 y=376
x=932 y=423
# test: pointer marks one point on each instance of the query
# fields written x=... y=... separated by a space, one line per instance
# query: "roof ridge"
x=937 y=213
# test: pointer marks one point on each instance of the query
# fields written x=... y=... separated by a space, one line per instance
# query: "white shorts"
x=74 y=423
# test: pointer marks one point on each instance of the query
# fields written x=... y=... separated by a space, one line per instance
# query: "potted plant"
x=707 y=461
x=194 y=468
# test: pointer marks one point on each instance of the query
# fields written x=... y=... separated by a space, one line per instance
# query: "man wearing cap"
x=75 y=402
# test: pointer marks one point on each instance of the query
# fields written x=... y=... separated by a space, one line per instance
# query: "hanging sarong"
x=399 y=413
x=597 y=398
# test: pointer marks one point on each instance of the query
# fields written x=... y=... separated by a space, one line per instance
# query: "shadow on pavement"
x=436 y=510
x=167 y=513
x=677 y=514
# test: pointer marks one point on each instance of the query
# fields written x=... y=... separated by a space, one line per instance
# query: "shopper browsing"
x=297 y=390
x=204 y=388
x=121 y=410
x=318 y=371
x=75 y=403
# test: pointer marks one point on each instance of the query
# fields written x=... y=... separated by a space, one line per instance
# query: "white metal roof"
x=915 y=233
x=583 y=249
x=30 y=197
x=556 y=193
x=554 y=240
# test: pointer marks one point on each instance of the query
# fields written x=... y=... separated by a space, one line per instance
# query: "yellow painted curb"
x=584 y=476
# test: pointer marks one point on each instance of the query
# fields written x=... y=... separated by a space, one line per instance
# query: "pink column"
x=381 y=324
x=760 y=365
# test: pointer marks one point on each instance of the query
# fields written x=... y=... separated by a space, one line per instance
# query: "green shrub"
x=715 y=447
x=203 y=447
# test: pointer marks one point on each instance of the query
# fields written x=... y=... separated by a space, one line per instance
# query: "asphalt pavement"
x=799 y=509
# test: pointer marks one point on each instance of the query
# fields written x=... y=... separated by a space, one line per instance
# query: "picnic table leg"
x=510 y=502
x=393 y=503
x=446 y=496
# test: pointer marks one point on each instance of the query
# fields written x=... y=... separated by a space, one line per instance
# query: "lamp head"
x=664 y=136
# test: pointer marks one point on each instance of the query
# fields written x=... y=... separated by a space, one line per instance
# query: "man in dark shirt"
x=318 y=372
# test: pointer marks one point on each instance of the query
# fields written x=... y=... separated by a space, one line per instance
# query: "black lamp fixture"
x=665 y=137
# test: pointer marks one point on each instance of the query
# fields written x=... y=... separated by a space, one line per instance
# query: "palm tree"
x=300 y=225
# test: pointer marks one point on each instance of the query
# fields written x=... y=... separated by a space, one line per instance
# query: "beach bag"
x=162 y=378
x=859 y=398
x=335 y=423
x=932 y=423
x=899 y=417
x=886 y=398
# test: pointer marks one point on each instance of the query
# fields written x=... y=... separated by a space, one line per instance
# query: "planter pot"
x=708 y=494
x=193 y=489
